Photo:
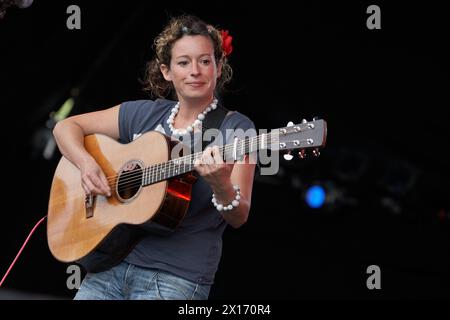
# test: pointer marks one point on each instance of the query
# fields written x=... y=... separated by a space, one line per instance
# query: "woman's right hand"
x=93 y=180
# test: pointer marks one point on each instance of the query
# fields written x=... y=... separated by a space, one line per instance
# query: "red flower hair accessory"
x=227 y=47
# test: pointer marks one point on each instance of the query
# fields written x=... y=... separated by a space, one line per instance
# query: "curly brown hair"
x=177 y=28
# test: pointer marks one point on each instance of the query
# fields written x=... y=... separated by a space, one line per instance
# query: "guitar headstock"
x=303 y=136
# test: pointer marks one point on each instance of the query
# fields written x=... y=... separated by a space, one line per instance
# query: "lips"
x=196 y=84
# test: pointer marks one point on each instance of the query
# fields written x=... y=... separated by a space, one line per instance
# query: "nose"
x=195 y=71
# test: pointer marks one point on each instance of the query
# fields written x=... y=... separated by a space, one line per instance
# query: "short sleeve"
x=131 y=116
x=238 y=125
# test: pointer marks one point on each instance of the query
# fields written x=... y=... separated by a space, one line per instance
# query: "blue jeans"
x=128 y=281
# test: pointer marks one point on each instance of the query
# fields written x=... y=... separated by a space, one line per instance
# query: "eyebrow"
x=201 y=55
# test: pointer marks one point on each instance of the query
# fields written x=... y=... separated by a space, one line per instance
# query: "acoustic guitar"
x=150 y=191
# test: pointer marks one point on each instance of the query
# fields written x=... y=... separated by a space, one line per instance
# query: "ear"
x=219 y=69
x=165 y=72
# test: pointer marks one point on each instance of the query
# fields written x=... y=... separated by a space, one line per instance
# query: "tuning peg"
x=290 y=124
x=316 y=118
x=304 y=121
x=316 y=152
x=302 y=154
x=288 y=156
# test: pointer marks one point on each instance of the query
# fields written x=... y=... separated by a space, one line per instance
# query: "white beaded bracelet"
x=233 y=203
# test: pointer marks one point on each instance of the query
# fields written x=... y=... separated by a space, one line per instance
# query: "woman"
x=191 y=62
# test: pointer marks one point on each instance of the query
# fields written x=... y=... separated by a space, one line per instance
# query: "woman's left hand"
x=213 y=168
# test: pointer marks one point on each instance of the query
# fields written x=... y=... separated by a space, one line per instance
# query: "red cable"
x=20 y=251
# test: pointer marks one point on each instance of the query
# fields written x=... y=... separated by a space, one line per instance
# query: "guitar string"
x=172 y=164
x=135 y=179
x=138 y=176
x=134 y=182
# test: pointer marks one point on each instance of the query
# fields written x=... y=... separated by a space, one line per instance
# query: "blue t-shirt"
x=193 y=251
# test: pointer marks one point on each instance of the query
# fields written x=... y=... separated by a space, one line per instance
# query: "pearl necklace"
x=196 y=123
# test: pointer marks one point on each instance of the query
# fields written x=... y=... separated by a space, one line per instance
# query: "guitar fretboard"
x=179 y=166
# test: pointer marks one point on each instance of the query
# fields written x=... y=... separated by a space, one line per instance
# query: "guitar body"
x=98 y=231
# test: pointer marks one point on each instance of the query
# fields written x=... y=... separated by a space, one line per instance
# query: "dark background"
x=384 y=94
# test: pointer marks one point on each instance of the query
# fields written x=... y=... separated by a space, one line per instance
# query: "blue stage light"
x=315 y=196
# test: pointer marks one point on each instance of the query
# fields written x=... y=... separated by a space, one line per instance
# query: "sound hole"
x=130 y=180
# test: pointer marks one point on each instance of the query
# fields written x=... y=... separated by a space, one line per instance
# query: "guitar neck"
x=300 y=136
x=230 y=152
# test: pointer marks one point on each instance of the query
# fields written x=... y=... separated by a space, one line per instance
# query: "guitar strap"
x=213 y=120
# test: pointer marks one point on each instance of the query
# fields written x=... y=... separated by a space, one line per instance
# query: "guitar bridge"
x=89 y=205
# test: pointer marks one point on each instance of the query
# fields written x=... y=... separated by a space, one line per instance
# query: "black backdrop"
x=383 y=92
